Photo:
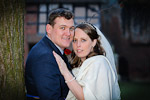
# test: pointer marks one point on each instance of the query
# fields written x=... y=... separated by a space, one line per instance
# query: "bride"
x=94 y=72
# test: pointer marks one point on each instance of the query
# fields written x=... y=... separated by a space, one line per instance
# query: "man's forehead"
x=64 y=24
x=63 y=19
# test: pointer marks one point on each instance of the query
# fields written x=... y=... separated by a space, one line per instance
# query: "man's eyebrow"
x=72 y=27
x=66 y=25
x=63 y=25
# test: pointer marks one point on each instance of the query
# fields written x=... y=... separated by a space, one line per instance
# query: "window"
x=68 y=6
x=80 y=14
x=52 y=6
x=90 y=13
x=94 y=15
x=42 y=18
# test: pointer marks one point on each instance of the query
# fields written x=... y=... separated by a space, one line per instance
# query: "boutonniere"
x=67 y=52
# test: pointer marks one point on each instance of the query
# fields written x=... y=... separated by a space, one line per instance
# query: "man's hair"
x=59 y=12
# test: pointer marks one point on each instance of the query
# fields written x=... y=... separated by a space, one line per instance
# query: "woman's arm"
x=73 y=85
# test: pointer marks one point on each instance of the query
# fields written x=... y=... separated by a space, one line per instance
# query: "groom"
x=42 y=76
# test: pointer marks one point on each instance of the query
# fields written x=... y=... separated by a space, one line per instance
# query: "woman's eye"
x=74 y=40
x=83 y=40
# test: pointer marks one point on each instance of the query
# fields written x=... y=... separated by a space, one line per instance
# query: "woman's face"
x=82 y=44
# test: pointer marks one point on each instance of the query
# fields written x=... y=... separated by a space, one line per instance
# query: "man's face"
x=62 y=32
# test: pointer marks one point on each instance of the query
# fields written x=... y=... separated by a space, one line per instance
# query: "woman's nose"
x=78 y=43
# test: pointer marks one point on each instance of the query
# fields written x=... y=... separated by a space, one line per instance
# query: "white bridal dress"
x=98 y=76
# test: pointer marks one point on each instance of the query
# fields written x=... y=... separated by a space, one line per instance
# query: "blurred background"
x=125 y=23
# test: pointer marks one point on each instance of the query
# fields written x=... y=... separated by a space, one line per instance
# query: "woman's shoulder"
x=97 y=58
x=97 y=61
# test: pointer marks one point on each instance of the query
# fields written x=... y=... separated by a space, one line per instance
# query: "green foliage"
x=11 y=50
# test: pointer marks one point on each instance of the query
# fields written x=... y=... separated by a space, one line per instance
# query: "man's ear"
x=48 y=28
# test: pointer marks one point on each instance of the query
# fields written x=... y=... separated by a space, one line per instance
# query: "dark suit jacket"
x=42 y=75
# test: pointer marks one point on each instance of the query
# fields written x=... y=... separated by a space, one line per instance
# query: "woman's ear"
x=94 y=42
x=48 y=28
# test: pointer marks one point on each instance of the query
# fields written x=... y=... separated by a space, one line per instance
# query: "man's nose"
x=67 y=32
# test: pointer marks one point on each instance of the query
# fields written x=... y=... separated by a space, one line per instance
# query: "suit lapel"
x=66 y=61
x=54 y=48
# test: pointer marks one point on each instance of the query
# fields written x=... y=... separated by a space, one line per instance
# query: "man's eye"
x=62 y=28
x=72 y=29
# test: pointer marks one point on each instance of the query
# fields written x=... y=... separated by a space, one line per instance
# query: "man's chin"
x=66 y=46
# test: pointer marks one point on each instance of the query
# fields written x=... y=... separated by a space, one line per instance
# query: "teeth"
x=79 y=50
x=67 y=38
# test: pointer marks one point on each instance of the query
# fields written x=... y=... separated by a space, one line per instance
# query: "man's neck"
x=62 y=51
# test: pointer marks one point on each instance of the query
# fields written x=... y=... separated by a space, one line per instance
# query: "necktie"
x=66 y=61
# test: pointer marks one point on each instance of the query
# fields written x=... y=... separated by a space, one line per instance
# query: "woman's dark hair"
x=59 y=12
x=90 y=30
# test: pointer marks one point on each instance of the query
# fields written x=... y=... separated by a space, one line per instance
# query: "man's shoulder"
x=41 y=47
x=39 y=52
